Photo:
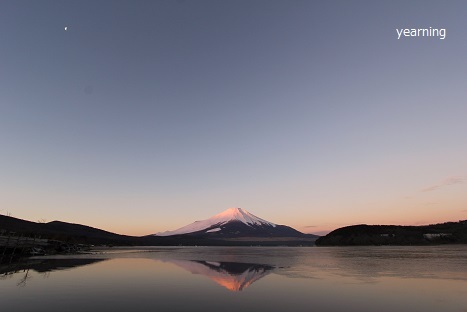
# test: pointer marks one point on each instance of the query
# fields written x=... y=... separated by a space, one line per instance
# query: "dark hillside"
x=443 y=233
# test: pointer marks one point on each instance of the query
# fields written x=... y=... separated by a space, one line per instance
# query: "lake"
x=241 y=279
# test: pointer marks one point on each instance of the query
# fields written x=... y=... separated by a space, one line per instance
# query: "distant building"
x=431 y=236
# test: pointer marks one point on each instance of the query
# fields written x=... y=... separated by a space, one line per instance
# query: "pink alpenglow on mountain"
x=231 y=214
x=234 y=222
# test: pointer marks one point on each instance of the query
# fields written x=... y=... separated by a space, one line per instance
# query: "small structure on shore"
x=13 y=246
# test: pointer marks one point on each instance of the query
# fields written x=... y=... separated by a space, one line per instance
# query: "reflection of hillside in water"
x=46 y=265
x=231 y=275
x=43 y=266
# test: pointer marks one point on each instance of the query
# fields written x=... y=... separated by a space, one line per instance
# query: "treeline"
x=361 y=235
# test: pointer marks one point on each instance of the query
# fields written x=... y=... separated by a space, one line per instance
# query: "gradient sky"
x=145 y=116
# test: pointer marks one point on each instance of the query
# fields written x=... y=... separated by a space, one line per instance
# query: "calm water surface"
x=242 y=279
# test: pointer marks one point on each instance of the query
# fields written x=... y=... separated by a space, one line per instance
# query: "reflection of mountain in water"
x=231 y=275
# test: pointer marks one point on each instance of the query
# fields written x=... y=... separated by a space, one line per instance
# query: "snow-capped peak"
x=231 y=214
x=242 y=215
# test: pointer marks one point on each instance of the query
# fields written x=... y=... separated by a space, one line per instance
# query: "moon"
x=66 y=28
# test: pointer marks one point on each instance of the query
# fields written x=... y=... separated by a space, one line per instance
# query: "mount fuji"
x=235 y=223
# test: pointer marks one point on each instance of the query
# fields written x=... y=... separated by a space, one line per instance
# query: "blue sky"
x=146 y=115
